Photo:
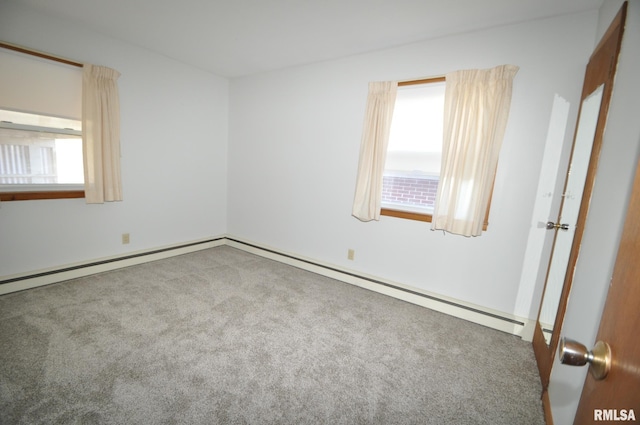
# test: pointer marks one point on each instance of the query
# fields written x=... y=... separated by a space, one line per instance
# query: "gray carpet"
x=225 y=337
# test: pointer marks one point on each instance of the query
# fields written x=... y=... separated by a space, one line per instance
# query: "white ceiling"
x=239 y=37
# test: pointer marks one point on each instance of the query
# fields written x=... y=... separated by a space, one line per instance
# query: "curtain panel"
x=476 y=109
x=373 y=150
x=101 y=134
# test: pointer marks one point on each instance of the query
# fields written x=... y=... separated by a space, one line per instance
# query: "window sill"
x=419 y=217
x=28 y=196
x=406 y=215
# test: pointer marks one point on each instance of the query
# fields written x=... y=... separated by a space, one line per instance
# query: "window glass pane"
x=414 y=153
x=31 y=157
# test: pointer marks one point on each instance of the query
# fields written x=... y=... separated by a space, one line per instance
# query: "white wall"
x=294 y=144
x=174 y=155
x=616 y=169
x=294 y=141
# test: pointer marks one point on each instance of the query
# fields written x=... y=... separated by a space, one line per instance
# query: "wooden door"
x=617 y=397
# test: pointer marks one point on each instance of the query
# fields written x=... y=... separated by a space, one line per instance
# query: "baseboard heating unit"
x=477 y=314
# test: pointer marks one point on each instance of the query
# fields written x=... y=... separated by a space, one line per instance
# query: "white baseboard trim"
x=501 y=321
x=498 y=320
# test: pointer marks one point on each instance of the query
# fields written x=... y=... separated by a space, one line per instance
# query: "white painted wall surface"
x=616 y=169
x=294 y=140
x=546 y=208
x=174 y=155
x=294 y=144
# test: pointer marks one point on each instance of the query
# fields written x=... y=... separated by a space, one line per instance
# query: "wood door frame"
x=601 y=69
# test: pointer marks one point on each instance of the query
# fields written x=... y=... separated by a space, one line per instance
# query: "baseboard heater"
x=85 y=269
x=379 y=282
x=504 y=322
x=478 y=315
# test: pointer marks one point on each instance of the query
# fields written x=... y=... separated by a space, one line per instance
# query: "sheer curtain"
x=476 y=109
x=101 y=134
x=373 y=150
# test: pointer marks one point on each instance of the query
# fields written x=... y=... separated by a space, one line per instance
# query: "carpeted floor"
x=225 y=337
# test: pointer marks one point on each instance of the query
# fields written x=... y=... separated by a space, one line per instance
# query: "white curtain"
x=373 y=150
x=101 y=134
x=476 y=109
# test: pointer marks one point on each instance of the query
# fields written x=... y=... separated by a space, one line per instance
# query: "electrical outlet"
x=351 y=254
x=125 y=238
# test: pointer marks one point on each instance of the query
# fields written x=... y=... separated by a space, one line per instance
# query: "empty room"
x=279 y=212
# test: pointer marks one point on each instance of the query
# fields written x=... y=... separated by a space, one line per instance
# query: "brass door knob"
x=573 y=353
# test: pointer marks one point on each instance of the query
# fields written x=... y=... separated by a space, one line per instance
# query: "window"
x=40 y=153
x=414 y=153
x=477 y=108
x=40 y=157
